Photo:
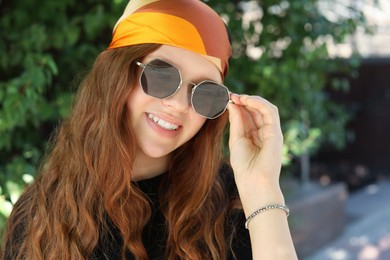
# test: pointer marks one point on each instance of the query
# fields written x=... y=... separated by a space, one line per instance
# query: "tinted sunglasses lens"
x=160 y=79
x=210 y=99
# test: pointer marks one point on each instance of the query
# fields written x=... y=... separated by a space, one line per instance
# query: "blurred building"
x=366 y=158
x=369 y=46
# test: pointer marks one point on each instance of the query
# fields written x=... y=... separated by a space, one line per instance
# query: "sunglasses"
x=161 y=79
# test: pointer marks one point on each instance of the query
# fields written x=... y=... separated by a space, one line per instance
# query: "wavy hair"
x=86 y=177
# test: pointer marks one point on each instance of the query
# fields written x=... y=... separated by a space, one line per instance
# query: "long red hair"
x=86 y=176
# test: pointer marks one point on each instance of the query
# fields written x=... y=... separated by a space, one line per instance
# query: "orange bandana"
x=188 y=24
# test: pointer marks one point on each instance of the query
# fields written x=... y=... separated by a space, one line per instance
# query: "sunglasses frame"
x=144 y=65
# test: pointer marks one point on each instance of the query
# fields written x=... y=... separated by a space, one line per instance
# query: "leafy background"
x=280 y=52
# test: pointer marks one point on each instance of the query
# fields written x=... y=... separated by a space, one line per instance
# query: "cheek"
x=136 y=99
x=197 y=122
x=135 y=94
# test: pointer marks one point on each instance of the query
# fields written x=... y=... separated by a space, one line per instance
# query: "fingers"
x=261 y=110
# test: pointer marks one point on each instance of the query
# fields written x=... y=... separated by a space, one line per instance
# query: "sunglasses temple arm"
x=230 y=101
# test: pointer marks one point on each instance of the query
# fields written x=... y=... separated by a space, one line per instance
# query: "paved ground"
x=367 y=234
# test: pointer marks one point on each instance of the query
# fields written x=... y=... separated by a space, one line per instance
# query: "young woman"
x=136 y=171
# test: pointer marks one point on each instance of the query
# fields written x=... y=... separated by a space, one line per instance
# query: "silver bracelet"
x=273 y=206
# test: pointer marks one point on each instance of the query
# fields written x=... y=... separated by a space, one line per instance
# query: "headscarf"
x=188 y=24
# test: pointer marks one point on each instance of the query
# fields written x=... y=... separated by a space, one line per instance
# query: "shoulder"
x=226 y=177
x=13 y=239
x=225 y=173
x=240 y=241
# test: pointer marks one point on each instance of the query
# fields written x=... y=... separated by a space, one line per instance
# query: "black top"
x=154 y=237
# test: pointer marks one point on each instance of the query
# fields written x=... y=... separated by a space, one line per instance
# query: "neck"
x=146 y=167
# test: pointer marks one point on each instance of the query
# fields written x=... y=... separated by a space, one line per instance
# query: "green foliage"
x=281 y=53
x=42 y=48
x=45 y=45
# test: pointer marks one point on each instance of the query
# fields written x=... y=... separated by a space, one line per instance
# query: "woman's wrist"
x=265 y=208
x=255 y=198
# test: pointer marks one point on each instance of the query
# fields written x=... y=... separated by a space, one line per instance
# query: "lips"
x=162 y=123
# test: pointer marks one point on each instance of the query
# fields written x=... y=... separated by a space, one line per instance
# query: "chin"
x=156 y=152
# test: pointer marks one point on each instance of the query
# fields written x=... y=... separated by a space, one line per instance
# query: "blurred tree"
x=279 y=49
x=43 y=46
x=281 y=53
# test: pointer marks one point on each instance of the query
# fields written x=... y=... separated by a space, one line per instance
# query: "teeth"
x=162 y=123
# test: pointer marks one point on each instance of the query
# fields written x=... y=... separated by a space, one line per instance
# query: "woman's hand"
x=255 y=144
x=256 y=138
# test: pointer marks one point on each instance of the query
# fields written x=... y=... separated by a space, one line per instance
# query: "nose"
x=180 y=101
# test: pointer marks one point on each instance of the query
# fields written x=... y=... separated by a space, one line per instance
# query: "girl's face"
x=162 y=125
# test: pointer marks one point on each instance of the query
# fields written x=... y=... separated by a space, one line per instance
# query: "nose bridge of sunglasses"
x=185 y=86
x=186 y=83
x=182 y=95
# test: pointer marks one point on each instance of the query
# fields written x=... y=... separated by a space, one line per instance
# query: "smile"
x=164 y=124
